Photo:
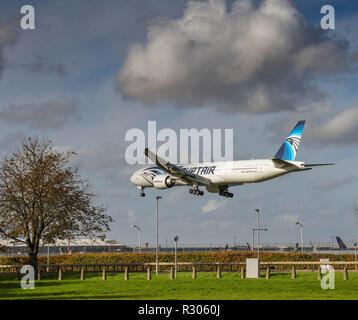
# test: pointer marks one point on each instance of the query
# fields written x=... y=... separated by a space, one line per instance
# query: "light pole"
x=48 y=257
x=139 y=237
x=258 y=232
x=157 y=237
x=301 y=231
x=253 y=236
x=253 y=240
x=13 y=248
x=176 y=238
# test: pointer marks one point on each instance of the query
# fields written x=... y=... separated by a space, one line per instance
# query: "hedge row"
x=113 y=258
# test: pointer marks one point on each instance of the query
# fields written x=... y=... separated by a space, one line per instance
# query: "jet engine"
x=163 y=181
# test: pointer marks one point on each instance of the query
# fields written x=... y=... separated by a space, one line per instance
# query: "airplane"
x=217 y=177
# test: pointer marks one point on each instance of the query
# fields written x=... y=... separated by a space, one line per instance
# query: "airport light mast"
x=258 y=233
x=48 y=257
x=301 y=231
x=157 y=237
x=176 y=238
x=253 y=237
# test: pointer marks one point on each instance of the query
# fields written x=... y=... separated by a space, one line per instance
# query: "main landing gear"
x=225 y=193
x=196 y=191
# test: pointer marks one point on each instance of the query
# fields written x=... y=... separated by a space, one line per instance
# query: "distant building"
x=60 y=247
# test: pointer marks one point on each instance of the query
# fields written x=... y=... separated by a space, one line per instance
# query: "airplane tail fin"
x=289 y=148
x=341 y=244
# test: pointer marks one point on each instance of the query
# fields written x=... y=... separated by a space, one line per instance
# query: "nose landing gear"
x=141 y=194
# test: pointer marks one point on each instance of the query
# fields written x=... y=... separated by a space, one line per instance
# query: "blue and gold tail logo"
x=289 y=148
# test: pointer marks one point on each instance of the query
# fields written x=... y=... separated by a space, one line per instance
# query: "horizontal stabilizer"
x=318 y=164
x=279 y=163
x=283 y=164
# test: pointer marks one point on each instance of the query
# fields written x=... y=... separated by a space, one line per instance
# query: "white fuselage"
x=228 y=173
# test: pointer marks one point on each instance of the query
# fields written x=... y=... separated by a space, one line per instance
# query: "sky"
x=92 y=70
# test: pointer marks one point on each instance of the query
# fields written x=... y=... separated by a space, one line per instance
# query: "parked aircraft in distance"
x=341 y=244
x=217 y=177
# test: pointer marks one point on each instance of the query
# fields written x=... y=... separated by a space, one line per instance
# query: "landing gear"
x=225 y=193
x=196 y=191
x=141 y=194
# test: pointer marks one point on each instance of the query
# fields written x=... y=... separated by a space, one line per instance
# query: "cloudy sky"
x=92 y=70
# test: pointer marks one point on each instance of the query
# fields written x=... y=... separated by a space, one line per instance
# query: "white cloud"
x=342 y=128
x=213 y=205
x=253 y=59
x=324 y=126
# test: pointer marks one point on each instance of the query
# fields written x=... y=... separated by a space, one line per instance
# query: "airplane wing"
x=176 y=171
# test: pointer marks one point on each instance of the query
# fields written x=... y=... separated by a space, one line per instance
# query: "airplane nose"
x=139 y=180
x=133 y=178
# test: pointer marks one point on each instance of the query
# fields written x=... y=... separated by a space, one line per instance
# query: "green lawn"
x=206 y=286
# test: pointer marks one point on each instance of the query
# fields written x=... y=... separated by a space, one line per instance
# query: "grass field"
x=206 y=286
